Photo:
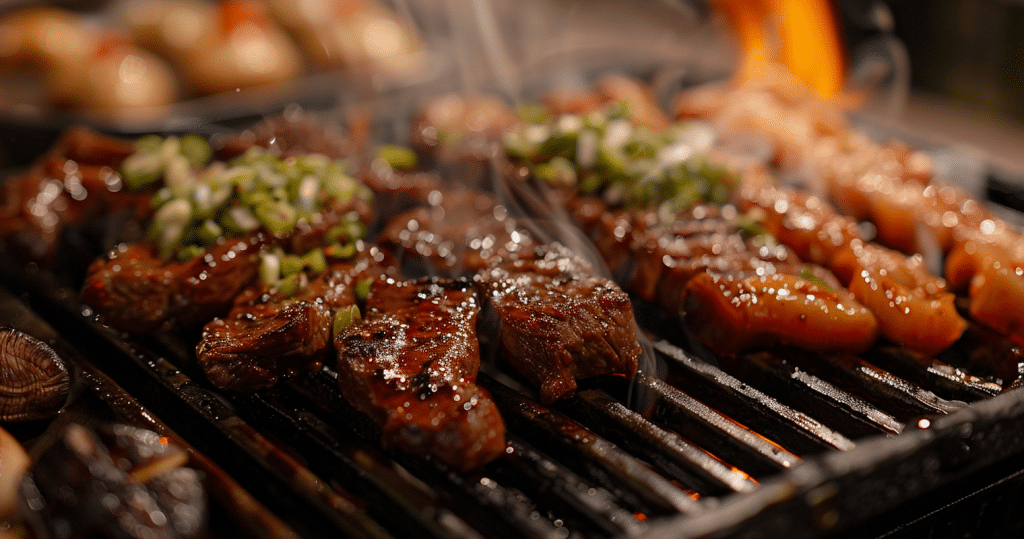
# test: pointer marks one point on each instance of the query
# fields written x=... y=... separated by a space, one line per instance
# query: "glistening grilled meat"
x=558 y=321
x=75 y=184
x=136 y=291
x=411 y=365
x=913 y=307
x=458 y=236
x=735 y=293
x=270 y=334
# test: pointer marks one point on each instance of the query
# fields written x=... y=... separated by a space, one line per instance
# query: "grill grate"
x=752 y=447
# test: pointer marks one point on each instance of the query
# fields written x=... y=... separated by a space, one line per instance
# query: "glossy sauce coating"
x=913 y=307
x=134 y=290
x=411 y=365
x=269 y=334
x=734 y=312
x=558 y=321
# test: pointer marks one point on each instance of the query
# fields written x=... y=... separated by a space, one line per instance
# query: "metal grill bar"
x=666 y=451
x=592 y=456
x=902 y=398
x=788 y=427
x=839 y=409
x=714 y=432
x=945 y=379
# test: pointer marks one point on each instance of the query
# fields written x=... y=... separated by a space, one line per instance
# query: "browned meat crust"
x=411 y=364
x=267 y=336
x=135 y=291
x=559 y=321
x=456 y=237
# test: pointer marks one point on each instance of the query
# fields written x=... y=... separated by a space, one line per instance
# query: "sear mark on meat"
x=558 y=321
x=267 y=336
x=411 y=365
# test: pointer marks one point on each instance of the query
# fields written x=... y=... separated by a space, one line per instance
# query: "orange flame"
x=800 y=34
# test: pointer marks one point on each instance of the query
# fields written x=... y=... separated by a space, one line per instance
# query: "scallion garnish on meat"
x=605 y=154
x=201 y=201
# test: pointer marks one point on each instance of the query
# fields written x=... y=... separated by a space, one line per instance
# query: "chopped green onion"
x=239 y=176
x=177 y=211
x=196 y=149
x=313 y=163
x=558 y=172
x=315 y=261
x=149 y=143
x=808 y=275
x=278 y=217
x=161 y=197
x=534 y=114
x=363 y=289
x=355 y=229
x=398 y=157
x=202 y=201
x=256 y=197
x=341 y=186
x=270 y=269
x=306 y=193
x=140 y=170
x=345 y=317
x=189 y=252
x=240 y=220
x=178 y=175
x=168 y=237
x=342 y=250
x=209 y=232
x=290 y=265
x=290 y=285
x=266 y=175
x=750 y=226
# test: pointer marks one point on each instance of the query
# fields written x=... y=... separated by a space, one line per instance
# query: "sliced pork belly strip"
x=558 y=321
x=735 y=293
x=411 y=365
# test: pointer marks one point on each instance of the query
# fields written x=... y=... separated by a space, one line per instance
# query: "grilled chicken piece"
x=268 y=335
x=136 y=291
x=558 y=321
x=411 y=365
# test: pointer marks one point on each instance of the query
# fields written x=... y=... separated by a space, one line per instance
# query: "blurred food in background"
x=132 y=60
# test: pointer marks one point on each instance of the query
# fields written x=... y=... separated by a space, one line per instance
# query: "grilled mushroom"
x=34 y=381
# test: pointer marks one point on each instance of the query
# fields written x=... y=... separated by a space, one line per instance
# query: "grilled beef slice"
x=268 y=335
x=558 y=321
x=136 y=291
x=411 y=365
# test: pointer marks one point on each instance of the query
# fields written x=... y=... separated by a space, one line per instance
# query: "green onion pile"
x=604 y=154
x=202 y=201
